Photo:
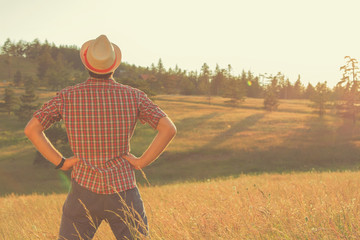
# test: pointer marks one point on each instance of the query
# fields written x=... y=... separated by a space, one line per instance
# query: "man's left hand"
x=134 y=161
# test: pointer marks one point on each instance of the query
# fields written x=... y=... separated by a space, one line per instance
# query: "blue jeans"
x=83 y=212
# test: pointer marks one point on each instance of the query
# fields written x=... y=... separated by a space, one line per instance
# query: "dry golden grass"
x=270 y=206
x=247 y=127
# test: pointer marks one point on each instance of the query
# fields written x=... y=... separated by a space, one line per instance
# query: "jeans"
x=84 y=210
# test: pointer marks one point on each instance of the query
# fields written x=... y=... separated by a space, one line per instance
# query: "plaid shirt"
x=100 y=117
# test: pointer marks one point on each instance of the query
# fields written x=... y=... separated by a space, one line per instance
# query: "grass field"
x=269 y=206
x=230 y=173
x=228 y=141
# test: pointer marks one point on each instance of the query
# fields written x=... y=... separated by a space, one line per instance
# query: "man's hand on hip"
x=69 y=163
x=166 y=132
x=134 y=161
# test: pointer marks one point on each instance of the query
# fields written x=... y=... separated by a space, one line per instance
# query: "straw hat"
x=100 y=55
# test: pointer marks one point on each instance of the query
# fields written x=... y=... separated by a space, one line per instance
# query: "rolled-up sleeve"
x=49 y=112
x=149 y=112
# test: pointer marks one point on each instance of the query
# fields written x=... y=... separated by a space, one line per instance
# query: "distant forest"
x=55 y=67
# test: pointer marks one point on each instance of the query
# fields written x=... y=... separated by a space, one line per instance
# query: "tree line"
x=60 y=66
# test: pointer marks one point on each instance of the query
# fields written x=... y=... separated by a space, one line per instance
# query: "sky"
x=307 y=37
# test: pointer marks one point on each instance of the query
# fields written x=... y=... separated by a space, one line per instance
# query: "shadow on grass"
x=227 y=105
x=318 y=146
x=322 y=148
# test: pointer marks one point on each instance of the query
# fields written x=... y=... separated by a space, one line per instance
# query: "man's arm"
x=35 y=132
x=166 y=132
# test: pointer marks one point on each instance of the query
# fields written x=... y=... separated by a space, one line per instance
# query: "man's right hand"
x=69 y=163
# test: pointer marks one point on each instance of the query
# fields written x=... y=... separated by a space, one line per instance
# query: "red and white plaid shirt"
x=100 y=117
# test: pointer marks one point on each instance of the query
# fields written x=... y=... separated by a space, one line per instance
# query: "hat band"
x=98 y=70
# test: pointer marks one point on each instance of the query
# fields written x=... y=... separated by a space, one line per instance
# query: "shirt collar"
x=100 y=80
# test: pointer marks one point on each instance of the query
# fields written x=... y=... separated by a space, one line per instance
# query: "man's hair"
x=104 y=76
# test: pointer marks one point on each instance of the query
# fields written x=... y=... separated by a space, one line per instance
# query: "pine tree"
x=271 y=100
x=157 y=82
x=254 y=89
x=160 y=67
x=7 y=47
x=57 y=76
x=45 y=62
x=187 y=83
x=320 y=98
x=310 y=91
x=28 y=101
x=298 y=89
x=217 y=82
x=350 y=83
x=203 y=85
x=10 y=100
x=235 y=87
x=171 y=80
x=33 y=49
x=286 y=89
x=17 y=78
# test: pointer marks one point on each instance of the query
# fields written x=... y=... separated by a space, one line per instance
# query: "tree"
x=45 y=62
x=8 y=62
x=20 y=48
x=10 y=100
x=17 y=78
x=172 y=79
x=7 y=47
x=217 y=82
x=27 y=101
x=320 y=97
x=254 y=89
x=71 y=55
x=32 y=50
x=157 y=82
x=187 y=84
x=160 y=67
x=203 y=84
x=242 y=84
x=271 y=99
x=285 y=88
x=310 y=91
x=58 y=75
x=337 y=93
x=235 y=87
x=298 y=89
x=350 y=84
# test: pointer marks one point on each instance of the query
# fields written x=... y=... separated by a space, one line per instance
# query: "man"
x=100 y=116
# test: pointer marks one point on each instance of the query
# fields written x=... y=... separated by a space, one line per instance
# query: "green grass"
x=213 y=141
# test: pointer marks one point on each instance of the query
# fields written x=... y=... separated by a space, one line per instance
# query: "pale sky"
x=307 y=37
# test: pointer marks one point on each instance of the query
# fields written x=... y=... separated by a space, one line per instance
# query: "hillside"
x=269 y=206
x=213 y=140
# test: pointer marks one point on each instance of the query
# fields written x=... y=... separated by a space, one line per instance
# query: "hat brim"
x=118 y=55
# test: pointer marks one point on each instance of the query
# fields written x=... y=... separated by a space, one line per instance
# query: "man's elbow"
x=32 y=128
x=167 y=126
x=172 y=130
x=28 y=131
